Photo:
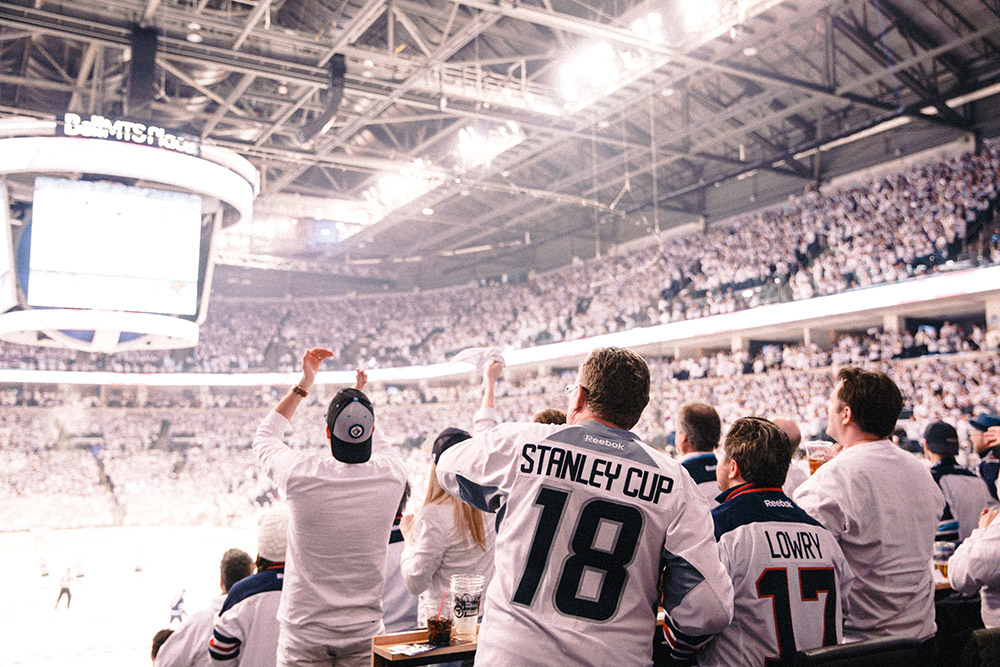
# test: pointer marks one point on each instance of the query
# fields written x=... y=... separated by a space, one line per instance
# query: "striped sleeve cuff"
x=222 y=648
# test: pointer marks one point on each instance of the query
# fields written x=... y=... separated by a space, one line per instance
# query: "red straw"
x=442 y=604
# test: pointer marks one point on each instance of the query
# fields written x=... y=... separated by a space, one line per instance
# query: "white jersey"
x=188 y=647
x=790 y=580
x=702 y=466
x=976 y=565
x=246 y=628
x=965 y=496
x=341 y=515
x=590 y=517
x=883 y=507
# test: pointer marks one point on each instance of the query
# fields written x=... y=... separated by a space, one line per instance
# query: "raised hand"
x=361 y=379
x=311 y=361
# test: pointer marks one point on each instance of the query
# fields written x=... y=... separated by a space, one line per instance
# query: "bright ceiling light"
x=649 y=27
x=699 y=13
x=428 y=211
x=477 y=147
x=589 y=73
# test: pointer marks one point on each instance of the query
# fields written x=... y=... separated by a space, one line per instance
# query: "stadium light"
x=590 y=73
x=698 y=13
x=476 y=148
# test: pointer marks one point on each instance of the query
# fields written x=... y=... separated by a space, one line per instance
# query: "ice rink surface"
x=115 y=610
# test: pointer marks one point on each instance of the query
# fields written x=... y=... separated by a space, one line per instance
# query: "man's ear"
x=848 y=416
x=734 y=469
x=327 y=432
x=580 y=399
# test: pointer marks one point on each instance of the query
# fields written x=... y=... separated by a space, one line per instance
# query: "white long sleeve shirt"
x=976 y=565
x=883 y=507
x=341 y=515
x=591 y=517
x=436 y=551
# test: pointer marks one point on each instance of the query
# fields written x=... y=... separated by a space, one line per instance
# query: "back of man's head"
x=701 y=424
x=350 y=422
x=873 y=397
x=158 y=639
x=549 y=416
x=616 y=382
x=236 y=564
x=761 y=451
x=790 y=428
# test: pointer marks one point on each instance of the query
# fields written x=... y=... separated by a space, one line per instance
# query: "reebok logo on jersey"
x=606 y=443
x=778 y=503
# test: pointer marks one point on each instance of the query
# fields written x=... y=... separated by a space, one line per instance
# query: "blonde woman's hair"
x=469 y=521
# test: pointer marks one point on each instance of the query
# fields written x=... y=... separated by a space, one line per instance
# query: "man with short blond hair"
x=592 y=521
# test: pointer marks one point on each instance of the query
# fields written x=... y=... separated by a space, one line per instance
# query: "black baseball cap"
x=942 y=438
x=351 y=420
x=446 y=439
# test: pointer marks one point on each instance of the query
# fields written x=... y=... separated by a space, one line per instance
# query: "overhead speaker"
x=331 y=102
x=142 y=74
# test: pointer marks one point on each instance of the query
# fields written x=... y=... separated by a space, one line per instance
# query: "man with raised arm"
x=341 y=512
x=592 y=520
x=883 y=506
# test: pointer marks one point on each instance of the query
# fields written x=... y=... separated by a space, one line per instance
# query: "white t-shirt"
x=590 y=517
x=883 y=507
x=790 y=579
x=341 y=515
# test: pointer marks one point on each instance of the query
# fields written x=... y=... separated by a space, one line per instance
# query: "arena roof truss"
x=475 y=134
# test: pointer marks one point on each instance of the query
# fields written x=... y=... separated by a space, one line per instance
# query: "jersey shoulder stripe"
x=945 y=468
x=744 y=505
x=701 y=468
x=597 y=437
x=262 y=582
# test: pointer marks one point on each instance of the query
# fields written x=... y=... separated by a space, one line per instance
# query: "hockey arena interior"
x=218 y=211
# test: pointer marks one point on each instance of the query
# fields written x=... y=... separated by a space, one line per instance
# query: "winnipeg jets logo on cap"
x=356 y=431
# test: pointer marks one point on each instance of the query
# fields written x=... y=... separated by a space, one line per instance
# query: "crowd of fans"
x=826 y=241
x=193 y=465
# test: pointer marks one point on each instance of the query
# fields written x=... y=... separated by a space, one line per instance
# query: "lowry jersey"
x=589 y=518
x=790 y=580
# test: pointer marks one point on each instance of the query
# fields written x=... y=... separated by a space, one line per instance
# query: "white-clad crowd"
x=193 y=466
x=884 y=230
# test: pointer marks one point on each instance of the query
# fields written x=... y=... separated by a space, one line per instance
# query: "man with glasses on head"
x=590 y=518
x=883 y=506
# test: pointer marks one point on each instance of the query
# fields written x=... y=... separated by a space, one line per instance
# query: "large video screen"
x=108 y=246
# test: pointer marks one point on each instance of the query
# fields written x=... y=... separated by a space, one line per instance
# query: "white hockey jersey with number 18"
x=790 y=578
x=589 y=517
